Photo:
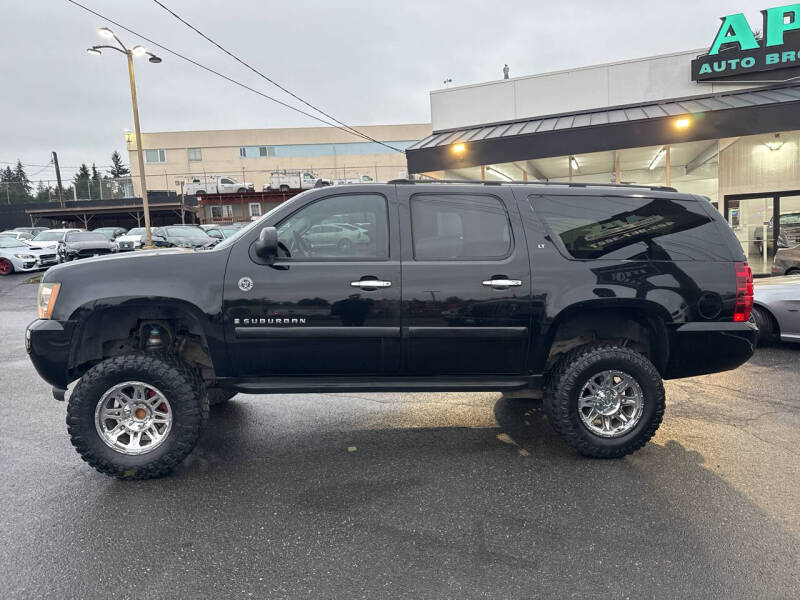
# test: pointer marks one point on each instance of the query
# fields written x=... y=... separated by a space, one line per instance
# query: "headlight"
x=25 y=256
x=46 y=298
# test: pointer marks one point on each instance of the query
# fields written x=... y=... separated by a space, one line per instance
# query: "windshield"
x=80 y=236
x=49 y=236
x=790 y=219
x=228 y=242
x=193 y=233
x=6 y=241
x=136 y=231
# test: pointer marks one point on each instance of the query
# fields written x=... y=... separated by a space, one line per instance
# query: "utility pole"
x=58 y=178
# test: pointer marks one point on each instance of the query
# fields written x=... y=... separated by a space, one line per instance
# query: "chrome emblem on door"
x=245 y=284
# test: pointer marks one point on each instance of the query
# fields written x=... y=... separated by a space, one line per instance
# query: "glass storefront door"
x=752 y=222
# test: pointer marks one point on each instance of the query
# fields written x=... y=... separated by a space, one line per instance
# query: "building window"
x=155 y=156
x=223 y=211
x=195 y=154
x=255 y=209
x=256 y=151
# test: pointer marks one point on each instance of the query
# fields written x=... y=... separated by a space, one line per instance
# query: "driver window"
x=349 y=226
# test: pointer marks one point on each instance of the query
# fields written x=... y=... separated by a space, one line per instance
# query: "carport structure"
x=123 y=212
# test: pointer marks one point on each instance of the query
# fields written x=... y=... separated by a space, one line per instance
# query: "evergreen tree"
x=21 y=178
x=81 y=181
x=43 y=192
x=118 y=168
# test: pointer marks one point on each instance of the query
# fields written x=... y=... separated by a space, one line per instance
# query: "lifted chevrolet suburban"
x=586 y=295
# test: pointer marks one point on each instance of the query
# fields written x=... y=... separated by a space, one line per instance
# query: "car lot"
x=409 y=495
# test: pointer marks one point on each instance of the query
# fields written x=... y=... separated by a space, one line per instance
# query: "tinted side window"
x=459 y=227
x=624 y=228
x=367 y=238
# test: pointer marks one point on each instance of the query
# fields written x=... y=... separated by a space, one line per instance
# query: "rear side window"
x=459 y=227
x=624 y=228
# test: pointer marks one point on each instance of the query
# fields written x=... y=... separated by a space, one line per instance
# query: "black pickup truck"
x=587 y=296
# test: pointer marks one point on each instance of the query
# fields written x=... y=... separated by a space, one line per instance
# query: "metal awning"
x=712 y=116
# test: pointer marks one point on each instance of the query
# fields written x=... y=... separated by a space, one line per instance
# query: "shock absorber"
x=154 y=340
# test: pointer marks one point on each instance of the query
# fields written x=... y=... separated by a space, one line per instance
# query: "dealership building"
x=722 y=122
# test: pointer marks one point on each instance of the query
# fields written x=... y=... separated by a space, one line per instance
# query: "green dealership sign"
x=737 y=54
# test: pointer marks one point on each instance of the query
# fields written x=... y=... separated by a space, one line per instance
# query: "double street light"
x=105 y=32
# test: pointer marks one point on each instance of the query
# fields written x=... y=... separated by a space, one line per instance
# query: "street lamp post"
x=135 y=51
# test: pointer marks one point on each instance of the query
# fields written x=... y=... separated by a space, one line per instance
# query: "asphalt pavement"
x=445 y=495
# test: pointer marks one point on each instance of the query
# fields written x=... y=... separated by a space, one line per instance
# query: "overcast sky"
x=366 y=62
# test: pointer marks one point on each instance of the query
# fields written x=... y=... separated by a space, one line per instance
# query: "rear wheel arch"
x=641 y=327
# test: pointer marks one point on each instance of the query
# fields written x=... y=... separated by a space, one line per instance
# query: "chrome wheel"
x=610 y=403
x=133 y=418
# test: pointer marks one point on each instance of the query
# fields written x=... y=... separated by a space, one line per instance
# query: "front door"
x=331 y=304
x=466 y=282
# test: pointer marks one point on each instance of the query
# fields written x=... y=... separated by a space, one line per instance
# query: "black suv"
x=587 y=296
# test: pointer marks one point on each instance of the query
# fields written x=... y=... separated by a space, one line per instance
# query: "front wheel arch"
x=102 y=334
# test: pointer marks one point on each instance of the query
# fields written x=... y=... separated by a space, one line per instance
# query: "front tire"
x=136 y=416
x=6 y=267
x=606 y=401
x=766 y=326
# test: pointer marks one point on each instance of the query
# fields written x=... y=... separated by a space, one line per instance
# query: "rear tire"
x=616 y=385
x=284 y=188
x=156 y=435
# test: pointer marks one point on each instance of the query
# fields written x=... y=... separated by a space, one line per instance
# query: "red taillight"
x=744 y=292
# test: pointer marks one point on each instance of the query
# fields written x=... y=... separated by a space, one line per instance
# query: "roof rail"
x=655 y=188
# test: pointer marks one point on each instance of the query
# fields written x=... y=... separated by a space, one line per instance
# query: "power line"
x=273 y=82
x=217 y=73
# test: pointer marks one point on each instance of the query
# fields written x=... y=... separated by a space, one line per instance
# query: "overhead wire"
x=218 y=74
x=269 y=79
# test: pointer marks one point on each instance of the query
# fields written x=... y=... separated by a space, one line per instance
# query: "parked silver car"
x=776 y=309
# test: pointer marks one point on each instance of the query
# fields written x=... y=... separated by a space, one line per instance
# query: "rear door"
x=466 y=281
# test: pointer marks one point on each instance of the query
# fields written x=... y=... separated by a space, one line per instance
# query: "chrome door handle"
x=371 y=283
x=503 y=282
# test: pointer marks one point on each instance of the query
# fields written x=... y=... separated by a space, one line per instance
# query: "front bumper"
x=25 y=264
x=48 y=343
x=702 y=348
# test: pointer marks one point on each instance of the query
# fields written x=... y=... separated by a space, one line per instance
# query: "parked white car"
x=294 y=180
x=217 y=185
x=51 y=237
x=20 y=235
x=133 y=240
x=20 y=256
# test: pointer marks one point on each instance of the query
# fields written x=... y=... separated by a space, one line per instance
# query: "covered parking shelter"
x=126 y=212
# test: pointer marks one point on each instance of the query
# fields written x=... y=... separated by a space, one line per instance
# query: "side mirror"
x=267 y=245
